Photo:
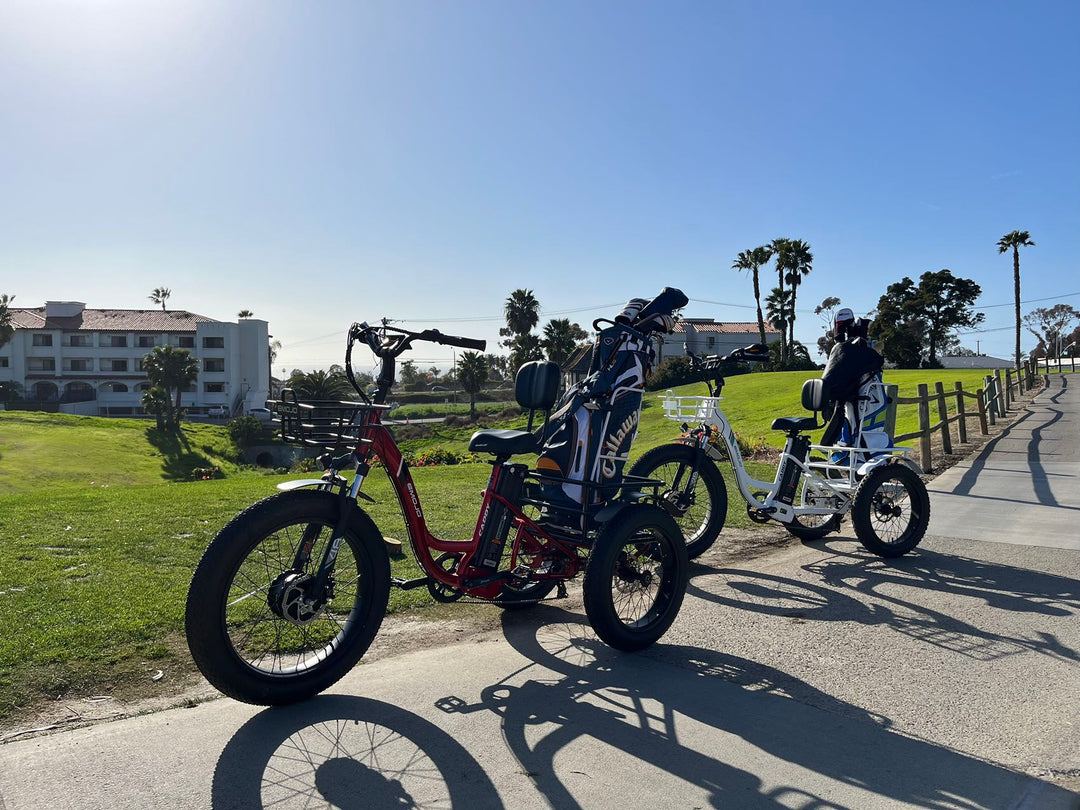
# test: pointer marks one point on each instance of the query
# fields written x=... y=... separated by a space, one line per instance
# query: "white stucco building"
x=706 y=336
x=89 y=361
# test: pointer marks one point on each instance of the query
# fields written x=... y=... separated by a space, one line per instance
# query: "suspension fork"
x=699 y=442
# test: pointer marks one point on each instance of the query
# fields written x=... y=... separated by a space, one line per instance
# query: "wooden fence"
x=991 y=402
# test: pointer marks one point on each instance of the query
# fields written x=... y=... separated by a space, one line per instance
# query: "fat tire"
x=710 y=484
x=205 y=614
x=863 y=510
x=634 y=525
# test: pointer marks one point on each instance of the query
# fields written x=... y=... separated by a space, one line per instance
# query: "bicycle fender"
x=873 y=464
x=300 y=483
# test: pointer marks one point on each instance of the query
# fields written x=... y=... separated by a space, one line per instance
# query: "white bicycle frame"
x=707 y=412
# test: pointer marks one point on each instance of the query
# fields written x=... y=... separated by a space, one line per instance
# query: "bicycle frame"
x=707 y=411
x=551 y=557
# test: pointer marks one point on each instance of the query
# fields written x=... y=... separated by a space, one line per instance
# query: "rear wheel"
x=257 y=625
x=636 y=578
x=700 y=509
x=814 y=527
x=891 y=511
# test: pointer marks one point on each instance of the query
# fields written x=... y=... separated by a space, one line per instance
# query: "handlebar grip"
x=452 y=340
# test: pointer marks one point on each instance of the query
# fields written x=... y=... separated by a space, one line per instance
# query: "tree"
x=777 y=308
x=915 y=322
x=826 y=310
x=160 y=295
x=408 y=373
x=524 y=349
x=780 y=248
x=522 y=312
x=7 y=330
x=1051 y=326
x=752 y=260
x=244 y=313
x=172 y=370
x=472 y=372
x=1016 y=240
x=155 y=401
x=320 y=385
x=561 y=338
x=799 y=263
x=10 y=391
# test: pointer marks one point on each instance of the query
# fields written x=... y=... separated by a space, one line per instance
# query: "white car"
x=217 y=410
x=262 y=414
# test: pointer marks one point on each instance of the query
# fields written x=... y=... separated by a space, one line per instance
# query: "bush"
x=206 y=473
x=245 y=430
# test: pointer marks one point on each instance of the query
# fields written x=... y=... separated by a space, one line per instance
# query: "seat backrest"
x=536 y=386
x=815 y=395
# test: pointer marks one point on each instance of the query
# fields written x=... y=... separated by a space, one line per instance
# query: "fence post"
x=1001 y=394
x=924 y=427
x=991 y=405
x=943 y=415
x=1009 y=399
x=980 y=399
x=961 y=421
x=891 y=392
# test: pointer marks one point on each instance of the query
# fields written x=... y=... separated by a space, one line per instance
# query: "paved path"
x=815 y=677
x=1024 y=487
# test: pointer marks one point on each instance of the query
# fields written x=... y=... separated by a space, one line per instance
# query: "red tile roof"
x=111 y=320
x=728 y=327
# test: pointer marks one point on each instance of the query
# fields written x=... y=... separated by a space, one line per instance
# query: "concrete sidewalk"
x=1024 y=486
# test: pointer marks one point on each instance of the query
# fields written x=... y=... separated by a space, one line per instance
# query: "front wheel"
x=636 y=578
x=699 y=507
x=891 y=510
x=258 y=627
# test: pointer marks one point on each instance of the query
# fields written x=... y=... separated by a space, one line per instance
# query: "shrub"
x=245 y=429
x=206 y=473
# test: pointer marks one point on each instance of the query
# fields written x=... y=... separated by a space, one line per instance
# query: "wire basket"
x=687 y=409
x=320 y=423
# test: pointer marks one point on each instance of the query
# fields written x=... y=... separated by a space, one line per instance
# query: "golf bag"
x=852 y=378
x=595 y=422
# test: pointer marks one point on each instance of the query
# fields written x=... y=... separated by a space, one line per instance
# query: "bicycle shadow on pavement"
x=673 y=715
x=348 y=753
x=852 y=587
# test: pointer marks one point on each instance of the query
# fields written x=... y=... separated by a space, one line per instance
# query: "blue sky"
x=321 y=163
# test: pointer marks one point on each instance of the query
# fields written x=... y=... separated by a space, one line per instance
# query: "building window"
x=3 y=362
x=213 y=388
x=144 y=386
x=115 y=341
x=43 y=340
x=185 y=342
x=80 y=364
x=710 y=341
x=147 y=341
x=80 y=340
x=212 y=364
x=41 y=364
x=78 y=392
x=213 y=343
x=114 y=365
x=114 y=388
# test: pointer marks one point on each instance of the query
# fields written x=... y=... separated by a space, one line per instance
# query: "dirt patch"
x=133 y=687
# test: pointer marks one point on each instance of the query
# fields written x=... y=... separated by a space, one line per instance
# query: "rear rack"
x=329 y=424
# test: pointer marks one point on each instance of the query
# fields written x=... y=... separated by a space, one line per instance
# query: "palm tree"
x=171 y=369
x=777 y=307
x=324 y=385
x=522 y=312
x=472 y=372
x=244 y=313
x=780 y=248
x=160 y=295
x=799 y=264
x=155 y=401
x=1016 y=240
x=561 y=338
x=6 y=327
x=752 y=260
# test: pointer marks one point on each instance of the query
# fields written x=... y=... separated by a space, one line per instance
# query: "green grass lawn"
x=100 y=536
